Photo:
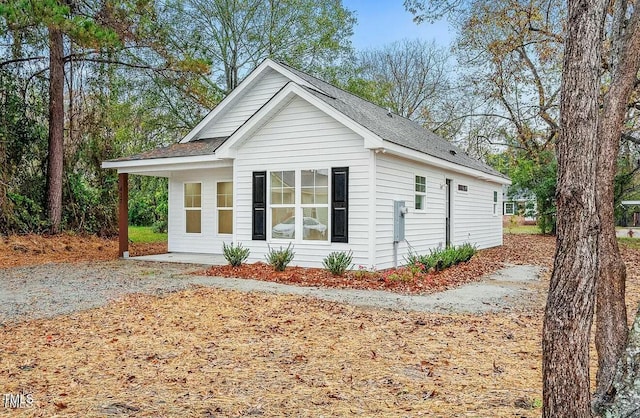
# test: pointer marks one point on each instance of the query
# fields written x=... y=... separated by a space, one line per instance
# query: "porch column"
x=123 y=214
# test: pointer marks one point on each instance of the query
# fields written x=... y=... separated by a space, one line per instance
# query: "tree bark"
x=55 y=162
x=611 y=313
x=570 y=303
x=627 y=392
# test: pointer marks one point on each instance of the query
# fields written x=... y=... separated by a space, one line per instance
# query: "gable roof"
x=367 y=116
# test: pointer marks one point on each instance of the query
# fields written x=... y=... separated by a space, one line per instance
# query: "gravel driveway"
x=49 y=290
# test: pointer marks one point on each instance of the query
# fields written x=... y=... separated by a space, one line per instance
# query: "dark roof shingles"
x=188 y=149
x=395 y=129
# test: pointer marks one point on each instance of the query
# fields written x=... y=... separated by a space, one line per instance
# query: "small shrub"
x=466 y=252
x=338 y=262
x=280 y=259
x=441 y=259
x=364 y=273
x=401 y=274
x=235 y=254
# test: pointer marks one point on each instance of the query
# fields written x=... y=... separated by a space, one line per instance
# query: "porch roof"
x=206 y=146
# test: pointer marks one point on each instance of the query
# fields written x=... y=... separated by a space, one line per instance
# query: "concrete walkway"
x=186 y=258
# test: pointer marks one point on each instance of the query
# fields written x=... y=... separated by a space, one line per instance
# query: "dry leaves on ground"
x=208 y=352
x=22 y=250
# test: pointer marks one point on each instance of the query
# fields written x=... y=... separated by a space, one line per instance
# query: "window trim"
x=218 y=209
x=495 y=203
x=191 y=208
x=271 y=206
x=513 y=207
x=298 y=207
x=417 y=193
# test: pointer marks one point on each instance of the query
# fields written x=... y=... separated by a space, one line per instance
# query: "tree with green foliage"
x=57 y=37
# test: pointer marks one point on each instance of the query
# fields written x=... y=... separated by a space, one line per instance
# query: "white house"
x=287 y=158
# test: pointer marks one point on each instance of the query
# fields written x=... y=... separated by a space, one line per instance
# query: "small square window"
x=462 y=188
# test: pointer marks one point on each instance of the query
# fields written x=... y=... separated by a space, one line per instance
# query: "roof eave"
x=408 y=153
x=165 y=161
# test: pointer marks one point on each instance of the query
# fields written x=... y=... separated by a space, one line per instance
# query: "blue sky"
x=382 y=22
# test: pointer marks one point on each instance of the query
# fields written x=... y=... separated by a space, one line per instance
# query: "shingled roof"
x=189 y=149
x=389 y=126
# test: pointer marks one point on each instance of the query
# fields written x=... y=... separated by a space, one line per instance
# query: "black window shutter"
x=340 y=204
x=259 y=222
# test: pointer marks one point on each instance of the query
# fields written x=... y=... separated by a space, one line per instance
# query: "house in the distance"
x=520 y=208
x=288 y=158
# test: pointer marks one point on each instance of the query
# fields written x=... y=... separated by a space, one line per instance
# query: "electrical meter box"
x=399 y=212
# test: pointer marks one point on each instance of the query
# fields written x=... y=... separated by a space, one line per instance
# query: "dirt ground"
x=218 y=353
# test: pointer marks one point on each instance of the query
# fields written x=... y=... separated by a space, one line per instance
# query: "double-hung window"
x=509 y=208
x=225 y=207
x=495 y=202
x=314 y=193
x=421 y=192
x=193 y=207
x=283 y=204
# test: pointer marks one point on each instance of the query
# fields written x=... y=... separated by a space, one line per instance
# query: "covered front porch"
x=200 y=194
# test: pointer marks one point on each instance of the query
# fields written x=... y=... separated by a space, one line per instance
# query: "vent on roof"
x=389 y=112
x=452 y=152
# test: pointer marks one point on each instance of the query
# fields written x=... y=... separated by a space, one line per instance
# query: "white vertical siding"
x=472 y=218
x=263 y=89
x=301 y=137
x=207 y=241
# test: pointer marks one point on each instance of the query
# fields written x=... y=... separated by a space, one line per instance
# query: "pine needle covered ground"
x=206 y=352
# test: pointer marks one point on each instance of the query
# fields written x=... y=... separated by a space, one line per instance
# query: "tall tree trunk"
x=569 y=310
x=55 y=165
x=611 y=313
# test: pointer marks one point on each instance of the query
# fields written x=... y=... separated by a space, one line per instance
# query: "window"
x=224 y=195
x=421 y=192
x=193 y=206
x=509 y=208
x=283 y=204
x=299 y=203
x=462 y=188
x=315 y=204
x=495 y=202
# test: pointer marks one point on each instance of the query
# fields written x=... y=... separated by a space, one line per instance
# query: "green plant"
x=439 y=259
x=280 y=259
x=338 y=262
x=401 y=274
x=364 y=272
x=235 y=254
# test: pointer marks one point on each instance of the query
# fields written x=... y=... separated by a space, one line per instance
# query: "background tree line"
x=136 y=74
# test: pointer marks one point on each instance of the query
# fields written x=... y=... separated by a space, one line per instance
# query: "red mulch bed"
x=517 y=249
